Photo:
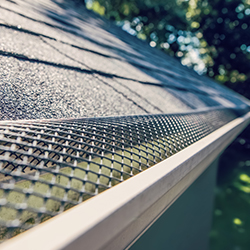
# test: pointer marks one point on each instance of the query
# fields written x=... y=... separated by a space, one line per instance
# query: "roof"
x=63 y=61
x=59 y=60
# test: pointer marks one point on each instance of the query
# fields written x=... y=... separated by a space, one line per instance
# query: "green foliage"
x=231 y=223
x=212 y=36
x=225 y=27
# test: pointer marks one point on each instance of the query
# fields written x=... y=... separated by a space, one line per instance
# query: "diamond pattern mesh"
x=49 y=166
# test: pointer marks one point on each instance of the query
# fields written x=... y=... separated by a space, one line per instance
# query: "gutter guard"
x=114 y=211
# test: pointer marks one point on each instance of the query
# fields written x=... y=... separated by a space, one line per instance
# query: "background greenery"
x=213 y=38
x=231 y=222
x=210 y=36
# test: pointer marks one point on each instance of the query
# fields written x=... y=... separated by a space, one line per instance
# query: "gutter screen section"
x=47 y=167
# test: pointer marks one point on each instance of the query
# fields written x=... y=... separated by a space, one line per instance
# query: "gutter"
x=118 y=216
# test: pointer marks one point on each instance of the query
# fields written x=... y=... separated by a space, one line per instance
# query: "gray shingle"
x=61 y=61
x=33 y=90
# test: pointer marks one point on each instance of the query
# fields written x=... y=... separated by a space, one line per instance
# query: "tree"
x=218 y=31
x=225 y=28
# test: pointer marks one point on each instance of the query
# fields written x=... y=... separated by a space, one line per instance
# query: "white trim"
x=95 y=223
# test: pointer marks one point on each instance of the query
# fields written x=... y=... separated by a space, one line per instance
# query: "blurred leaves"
x=212 y=36
x=95 y=6
x=231 y=223
x=243 y=183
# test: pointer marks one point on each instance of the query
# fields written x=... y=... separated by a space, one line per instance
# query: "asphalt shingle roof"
x=59 y=61
x=62 y=61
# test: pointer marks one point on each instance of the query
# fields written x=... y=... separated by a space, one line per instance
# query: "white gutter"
x=116 y=217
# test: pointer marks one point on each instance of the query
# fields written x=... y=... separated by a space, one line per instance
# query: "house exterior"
x=98 y=123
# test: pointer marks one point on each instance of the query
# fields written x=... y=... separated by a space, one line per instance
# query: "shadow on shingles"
x=170 y=79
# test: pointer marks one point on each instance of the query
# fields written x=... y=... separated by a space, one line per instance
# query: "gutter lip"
x=95 y=222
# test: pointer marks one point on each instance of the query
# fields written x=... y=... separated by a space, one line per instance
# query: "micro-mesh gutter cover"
x=61 y=67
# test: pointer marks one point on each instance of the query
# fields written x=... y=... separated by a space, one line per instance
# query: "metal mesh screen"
x=49 y=166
